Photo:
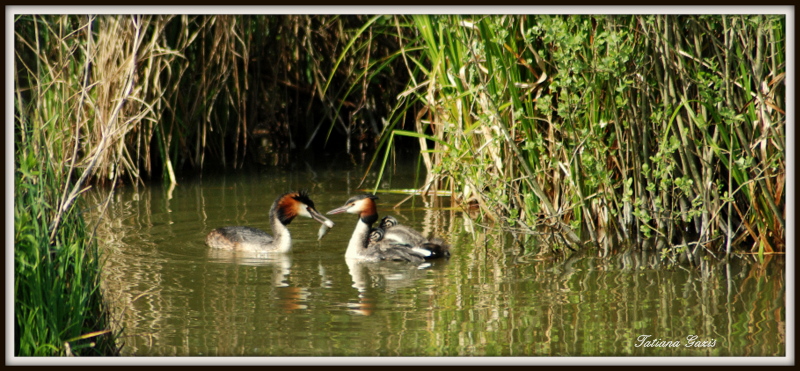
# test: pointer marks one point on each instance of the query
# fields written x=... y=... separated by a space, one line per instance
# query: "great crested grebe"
x=388 y=242
x=285 y=208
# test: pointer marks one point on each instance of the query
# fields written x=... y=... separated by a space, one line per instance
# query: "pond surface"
x=175 y=297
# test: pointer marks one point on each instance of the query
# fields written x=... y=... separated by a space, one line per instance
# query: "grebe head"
x=293 y=204
x=361 y=205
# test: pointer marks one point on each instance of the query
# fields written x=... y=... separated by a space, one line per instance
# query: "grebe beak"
x=320 y=218
x=339 y=210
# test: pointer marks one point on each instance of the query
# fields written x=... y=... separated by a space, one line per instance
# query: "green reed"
x=663 y=131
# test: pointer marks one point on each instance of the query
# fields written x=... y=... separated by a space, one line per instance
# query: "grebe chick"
x=396 y=243
x=285 y=208
x=388 y=221
x=397 y=233
x=375 y=235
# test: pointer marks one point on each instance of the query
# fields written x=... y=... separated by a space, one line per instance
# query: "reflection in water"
x=173 y=296
x=388 y=276
x=281 y=264
x=364 y=306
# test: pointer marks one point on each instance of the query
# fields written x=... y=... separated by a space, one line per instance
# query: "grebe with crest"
x=388 y=242
x=285 y=208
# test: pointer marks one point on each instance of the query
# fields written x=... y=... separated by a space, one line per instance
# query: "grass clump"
x=58 y=305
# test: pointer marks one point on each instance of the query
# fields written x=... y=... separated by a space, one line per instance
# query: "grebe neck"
x=357 y=246
x=283 y=239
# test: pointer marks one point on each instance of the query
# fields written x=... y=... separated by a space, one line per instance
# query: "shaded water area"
x=175 y=297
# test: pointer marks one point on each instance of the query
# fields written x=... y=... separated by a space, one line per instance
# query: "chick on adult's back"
x=388 y=242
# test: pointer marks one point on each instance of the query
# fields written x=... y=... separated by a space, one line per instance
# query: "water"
x=175 y=297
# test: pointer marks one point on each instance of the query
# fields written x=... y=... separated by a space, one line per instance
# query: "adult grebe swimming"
x=285 y=208
x=389 y=242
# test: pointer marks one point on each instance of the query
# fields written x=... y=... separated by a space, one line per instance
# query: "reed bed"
x=663 y=132
x=58 y=304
